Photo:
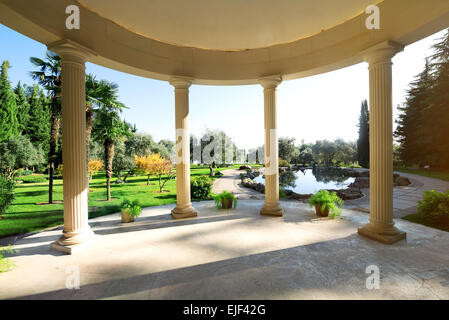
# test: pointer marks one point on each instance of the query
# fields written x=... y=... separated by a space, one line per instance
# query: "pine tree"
x=9 y=125
x=363 y=141
x=23 y=107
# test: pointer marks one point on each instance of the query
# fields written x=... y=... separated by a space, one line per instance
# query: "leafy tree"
x=287 y=149
x=23 y=107
x=7 y=194
x=9 y=125
x=363 y=141
x=18 y=152
x=48 y=74
x=123 y=161
x=94 y=167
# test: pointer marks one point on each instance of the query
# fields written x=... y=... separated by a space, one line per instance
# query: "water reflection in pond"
x=309 y=181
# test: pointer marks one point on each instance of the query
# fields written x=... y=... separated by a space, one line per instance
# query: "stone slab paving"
x=232 y=254
x=230 y=181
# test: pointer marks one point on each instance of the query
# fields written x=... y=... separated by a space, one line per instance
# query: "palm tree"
x=107 y=125
x=49 y=76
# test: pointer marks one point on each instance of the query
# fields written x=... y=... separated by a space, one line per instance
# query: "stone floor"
x=234 y=254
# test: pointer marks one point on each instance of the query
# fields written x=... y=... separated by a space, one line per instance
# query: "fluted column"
x=381 y=225
x=271 y=206
x=184 y=207
x=76 y=231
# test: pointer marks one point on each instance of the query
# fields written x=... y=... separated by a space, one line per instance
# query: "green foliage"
x=363 y=141
x=7 y=194
x=38 y=129
x=23 y=115
x=225 y=195
x=34 y=179
x=434 y=207
x=9 y=125
x=5 y=263
x=287 y=149
x=132 y=208
x=423 y=124
x=23 y=173
x=283 y=163
x=18 y=152
x=327 y=200
x=200 y=187
x=282 y=194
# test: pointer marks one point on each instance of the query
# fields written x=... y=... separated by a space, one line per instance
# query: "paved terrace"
x=234 y=254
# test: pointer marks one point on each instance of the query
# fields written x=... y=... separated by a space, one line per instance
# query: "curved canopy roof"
x=226 y=41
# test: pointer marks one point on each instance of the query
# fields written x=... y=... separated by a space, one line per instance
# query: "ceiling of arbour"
x=227 y=24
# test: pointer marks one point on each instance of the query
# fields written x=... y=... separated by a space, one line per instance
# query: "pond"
x=310 y=181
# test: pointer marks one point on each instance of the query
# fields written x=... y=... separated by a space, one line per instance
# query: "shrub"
x=132 y=208
x=5 y=263
x=23 y=173
x=200 y=187
x=225 y=195
x=282 y=193
x=6 y=193
x=34 y=179
x=434 y=207
x=327 y=200
x=283 y=163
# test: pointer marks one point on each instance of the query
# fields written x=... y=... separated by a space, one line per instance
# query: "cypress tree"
x=412 y=132
x=363 y=140
x=39 y=125
x=437 y=120
x=9 y=125
x=23 y=107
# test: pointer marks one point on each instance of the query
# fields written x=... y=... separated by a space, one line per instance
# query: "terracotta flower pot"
x=320 y=213
x=126 y=217
x=226 y=203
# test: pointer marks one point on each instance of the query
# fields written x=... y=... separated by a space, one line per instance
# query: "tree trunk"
x=55 y=123
x=89 y=114
x=109 y=157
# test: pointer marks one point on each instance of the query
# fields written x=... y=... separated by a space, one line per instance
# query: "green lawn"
x=443 y=175
x=26 y=214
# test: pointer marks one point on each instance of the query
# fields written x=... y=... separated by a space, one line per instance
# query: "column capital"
x=181 y=82
x=382 y=52
x=270 y=82
x=71 y=51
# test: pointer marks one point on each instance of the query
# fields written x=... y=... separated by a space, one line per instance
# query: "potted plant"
x=326 y=202
x=130 y=210
x=225 y=200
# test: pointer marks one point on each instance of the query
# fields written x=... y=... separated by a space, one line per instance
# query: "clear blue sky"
x=325 y=106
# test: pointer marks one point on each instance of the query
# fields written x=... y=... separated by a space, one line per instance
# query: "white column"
x=76 y=231
x=184 y=207
x=381 y=225
x=271 y=206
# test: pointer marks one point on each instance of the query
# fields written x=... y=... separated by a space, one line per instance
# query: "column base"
x=387 y=237
x=183 y=212
x=274 y=210
x=73 y=244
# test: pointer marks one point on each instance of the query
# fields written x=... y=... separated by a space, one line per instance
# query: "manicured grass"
x=443 y=175
x=26 y=214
